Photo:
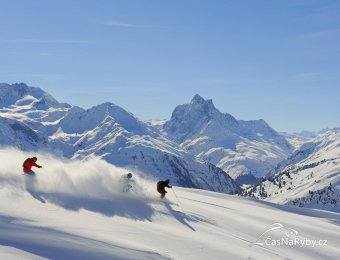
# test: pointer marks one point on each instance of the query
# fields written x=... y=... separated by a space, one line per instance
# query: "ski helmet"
x=35 y=159
x=129 y=175
x=167 y=180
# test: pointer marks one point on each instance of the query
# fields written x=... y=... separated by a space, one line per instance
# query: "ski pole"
x=176 y=198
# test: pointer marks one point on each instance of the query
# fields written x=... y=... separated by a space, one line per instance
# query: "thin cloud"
x=42 y=41
x=222 y=82
x=127 y=25
x=45 y=54
x=320 y=17
x=319 y=35
x=36 y=77
x=112 y=90
x=119 y=24
x=309 y=75
x=317 y=76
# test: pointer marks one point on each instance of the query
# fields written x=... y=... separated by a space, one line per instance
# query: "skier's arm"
x=36 y=165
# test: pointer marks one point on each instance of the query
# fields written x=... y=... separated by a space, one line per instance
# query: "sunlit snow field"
x=75 y=210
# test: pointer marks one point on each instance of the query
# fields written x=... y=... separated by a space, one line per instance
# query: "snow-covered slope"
x=308 y=178
x=107 y=131
x=14 y=133
x=298 y=139
x=32 y=106
x=241 y=148
x=72 y=210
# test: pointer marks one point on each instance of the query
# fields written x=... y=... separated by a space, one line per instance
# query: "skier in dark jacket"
x=161 y=187
x=28 y=164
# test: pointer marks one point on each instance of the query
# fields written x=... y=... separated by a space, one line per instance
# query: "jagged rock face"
x=36 y=120
x=244 y=149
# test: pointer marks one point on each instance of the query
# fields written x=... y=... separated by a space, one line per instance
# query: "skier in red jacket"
x=27 y=165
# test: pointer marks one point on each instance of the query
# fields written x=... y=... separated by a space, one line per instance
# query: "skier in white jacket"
x=126 y=181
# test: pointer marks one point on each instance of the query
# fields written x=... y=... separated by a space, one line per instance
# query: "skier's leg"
x=162 y=192
x=32 y=173
x=127 y=188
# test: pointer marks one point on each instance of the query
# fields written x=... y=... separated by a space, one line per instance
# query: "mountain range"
x=33 y=120
x=198 y=147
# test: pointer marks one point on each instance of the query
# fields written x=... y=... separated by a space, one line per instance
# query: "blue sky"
x=276 y=60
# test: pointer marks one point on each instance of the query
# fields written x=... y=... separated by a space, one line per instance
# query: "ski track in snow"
x=73 y=210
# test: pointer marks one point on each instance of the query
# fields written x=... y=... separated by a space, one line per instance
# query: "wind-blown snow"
x=72 y=210
x=92 y=178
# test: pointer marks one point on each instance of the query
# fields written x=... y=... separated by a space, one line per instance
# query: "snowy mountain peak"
x=196 y=113
x=199 y=103
x=121 y=116
x=81 y=121
x=219 y=138
x=21 y=94
x=197 y=99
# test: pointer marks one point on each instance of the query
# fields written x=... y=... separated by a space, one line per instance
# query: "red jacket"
x=28 y=165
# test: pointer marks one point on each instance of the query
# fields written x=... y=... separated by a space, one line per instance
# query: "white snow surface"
x=72 y=209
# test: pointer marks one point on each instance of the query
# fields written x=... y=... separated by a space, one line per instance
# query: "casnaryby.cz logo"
x=278 y=235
